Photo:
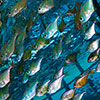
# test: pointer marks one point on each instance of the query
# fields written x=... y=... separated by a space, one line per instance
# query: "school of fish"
x=83 y=14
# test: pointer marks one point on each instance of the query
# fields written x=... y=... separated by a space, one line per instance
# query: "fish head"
x=2 y=84
x=13 y=11
x=39 y=43
x=42 y=8
x=38 y=46
x=39 y=92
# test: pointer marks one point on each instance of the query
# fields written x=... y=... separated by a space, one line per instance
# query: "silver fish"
x=68 y=95
x=34 y=67
x=51 y=29
x=90 y=32
x=59 y=73
x=30 y=91
x=42 y=89
x=55 y=86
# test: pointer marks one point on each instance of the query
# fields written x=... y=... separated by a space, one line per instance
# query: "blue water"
x=49 y=65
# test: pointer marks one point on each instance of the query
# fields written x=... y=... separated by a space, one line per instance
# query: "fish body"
x=8 y=49
x=71 y=58
x=4 y=92
x=87 y=72
x=93 y=56
x=27 y=54
x=59 y=73
x=17 y=8
x=34 y=67
x=25 y=78
x=42 y=89
x=62 y=25
x=81 y=81
x=51 y=29
x=79 y=96
x=20 y=45
x=93 y=46
x=57 y=50
x=45 y=6
x=30 y=91
x=29 y=23
x=68 y=95
x=98 y=67
x=5 y=77
x=55 y=86
x=86 y=11
x=90 y=32
x=40 y=43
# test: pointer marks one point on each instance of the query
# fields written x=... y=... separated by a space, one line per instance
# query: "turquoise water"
x=48 y=65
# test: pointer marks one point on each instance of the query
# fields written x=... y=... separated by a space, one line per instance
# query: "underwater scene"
x=49 y=49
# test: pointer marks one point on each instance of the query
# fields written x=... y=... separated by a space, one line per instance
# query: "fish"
x=27 y=53
x=25 y=78
x=55 y=85
x=5 y=76
x=45 y=6
x=77 y=22
x=90 y=32
x=30 y=91
x=81 y=81
x=4 y=92
x=98 y=67
x=29 y=22
x=40 y=42
x=91 y=71
x=79 y=96
x=59 y=73
x=94 y=56
x=72 y=57
x=34 y=67
x=76 y=10
x=68 y=95
x=42 y=89
x=93 y=46
x=51 y=29
x=83 y=13
x=17 y=8
x=57 y=50
x=20 y=67
x=19 y=44
x=62 y=25
x=8 y=49
x=86 y=11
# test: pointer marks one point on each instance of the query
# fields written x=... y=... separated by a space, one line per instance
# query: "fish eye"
x=39 y=8
x=81 y=18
